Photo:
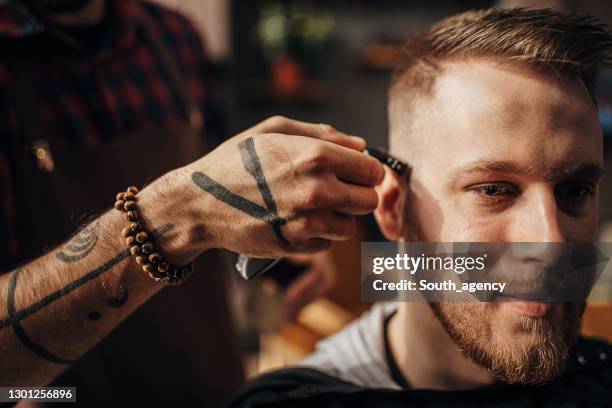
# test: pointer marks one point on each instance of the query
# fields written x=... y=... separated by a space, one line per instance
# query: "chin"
x=515 y=344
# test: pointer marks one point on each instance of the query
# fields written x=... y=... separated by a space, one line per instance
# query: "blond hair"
x=567 y=44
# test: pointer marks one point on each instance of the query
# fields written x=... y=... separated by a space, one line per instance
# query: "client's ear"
x=389 y=213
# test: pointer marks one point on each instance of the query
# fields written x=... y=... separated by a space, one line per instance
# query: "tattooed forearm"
x=252 y=164
x=114 y=301
x=15 y=316
x=94 y=273
x=81 y=245
x=119 y=300
x=58 y=294
x=20 y=332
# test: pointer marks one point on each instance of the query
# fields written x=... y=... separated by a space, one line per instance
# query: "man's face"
x=505 y=154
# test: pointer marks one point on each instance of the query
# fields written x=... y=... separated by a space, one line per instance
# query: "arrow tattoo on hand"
x=252 y=164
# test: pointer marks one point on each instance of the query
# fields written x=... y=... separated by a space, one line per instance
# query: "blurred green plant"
x=298 y=29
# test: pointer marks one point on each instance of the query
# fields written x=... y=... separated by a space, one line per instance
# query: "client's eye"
x=494 y=193
x=494 y=190
x=572 y=196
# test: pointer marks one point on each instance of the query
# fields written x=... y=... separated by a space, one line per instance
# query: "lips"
x=526 y=307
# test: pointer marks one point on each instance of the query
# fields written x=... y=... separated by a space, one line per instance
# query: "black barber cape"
x=587 y=382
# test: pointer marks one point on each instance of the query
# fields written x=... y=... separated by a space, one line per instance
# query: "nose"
x=537 y=221
x=538 y=218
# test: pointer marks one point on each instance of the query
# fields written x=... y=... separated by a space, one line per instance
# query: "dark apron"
x=178 y=347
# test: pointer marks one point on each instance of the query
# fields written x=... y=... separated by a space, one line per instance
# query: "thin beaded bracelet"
x=139 y=243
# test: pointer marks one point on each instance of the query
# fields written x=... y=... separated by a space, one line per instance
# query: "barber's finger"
x=335 y=226
x=322 y=131
x=309 y=284
x=307 y=287
x=355 y=199
x=325 y=225
x=310 y=246
x=355 y=167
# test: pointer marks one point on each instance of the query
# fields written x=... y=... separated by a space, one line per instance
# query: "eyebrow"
x=560 y=170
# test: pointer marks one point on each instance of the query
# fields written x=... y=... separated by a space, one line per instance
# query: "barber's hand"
x=279 y=188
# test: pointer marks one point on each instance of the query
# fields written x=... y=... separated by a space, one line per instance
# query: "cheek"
x=439 y=216
x=585 y=229
x=580 y=229
x=457 y=225
x=443 y=219
x=460 y=229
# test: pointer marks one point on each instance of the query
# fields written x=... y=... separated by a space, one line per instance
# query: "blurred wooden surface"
x=598 y=320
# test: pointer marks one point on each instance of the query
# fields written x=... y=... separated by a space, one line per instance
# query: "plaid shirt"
x=115 y=89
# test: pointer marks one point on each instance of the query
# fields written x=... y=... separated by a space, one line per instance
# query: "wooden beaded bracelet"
x=139 y=243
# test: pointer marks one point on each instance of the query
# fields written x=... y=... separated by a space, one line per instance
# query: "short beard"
x=469 y=326
x=538 y=362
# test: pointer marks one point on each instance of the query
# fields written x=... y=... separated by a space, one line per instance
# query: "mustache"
x=533 y=281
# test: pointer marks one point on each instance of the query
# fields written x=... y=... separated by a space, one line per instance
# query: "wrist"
x=169 y=203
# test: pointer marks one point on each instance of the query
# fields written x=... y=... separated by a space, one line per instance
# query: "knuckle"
x=327 y=128
x=316 y=159
x=315 y=197
x=307 y=226
x=276 y=120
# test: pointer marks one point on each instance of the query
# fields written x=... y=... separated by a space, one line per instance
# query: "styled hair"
x=563 y=43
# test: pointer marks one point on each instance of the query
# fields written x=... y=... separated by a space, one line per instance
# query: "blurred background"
x=329 y=62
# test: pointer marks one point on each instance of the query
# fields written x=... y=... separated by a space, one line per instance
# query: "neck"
x=91 y=14
x=426 y=355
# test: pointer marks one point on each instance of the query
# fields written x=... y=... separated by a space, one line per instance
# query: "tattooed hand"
x=278 y=188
